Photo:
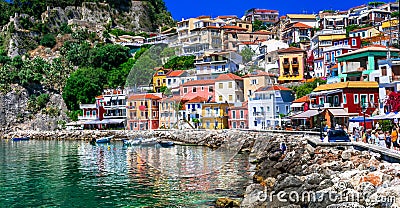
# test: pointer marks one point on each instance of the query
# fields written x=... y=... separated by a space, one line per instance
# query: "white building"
x=229 y=88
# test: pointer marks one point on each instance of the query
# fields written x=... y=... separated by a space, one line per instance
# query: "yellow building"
x=363 y=33
x=143 y=112
x=255 y=80
x=291 y=64
x=215 y=115
x=159 y=78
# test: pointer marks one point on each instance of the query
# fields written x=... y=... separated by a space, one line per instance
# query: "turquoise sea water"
x=77 y=174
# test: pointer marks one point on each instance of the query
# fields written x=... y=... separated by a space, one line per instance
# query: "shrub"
x=48 y=40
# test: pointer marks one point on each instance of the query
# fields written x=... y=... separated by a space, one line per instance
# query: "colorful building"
x=198 y=88
x=339 y=101
x=238 y=117
x=362 y=64
x=176 y=78
x=193 y=110
x=159 y=78
x=229 y=88
x=255 y=80
x=266 y=108
x=266 y=16
x=171 y=111
x=212 y=65
x=214 y=115
x=291 y=64
x=143 y=111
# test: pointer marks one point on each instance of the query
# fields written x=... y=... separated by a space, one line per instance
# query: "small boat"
x=167 y=143
x=149 y=141
x=104 y=139
x=133 y=142
x=15 y=139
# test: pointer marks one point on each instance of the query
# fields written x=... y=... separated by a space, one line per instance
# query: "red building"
x=143 y=112
x=202 y=88
x=339 y=101
x=238 y=117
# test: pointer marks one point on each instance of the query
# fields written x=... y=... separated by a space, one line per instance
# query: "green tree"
x=180 y=63
x=48 y=40
x=247 y=54
x=258 y=25
x=108 y=56
x=375 y=3
x=307 y=88
x=83 y=86
x=75 y=53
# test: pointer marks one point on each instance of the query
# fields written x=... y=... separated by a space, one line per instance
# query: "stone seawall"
x=211 y=138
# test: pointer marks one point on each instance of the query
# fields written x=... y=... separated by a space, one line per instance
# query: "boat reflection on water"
x=157 y=176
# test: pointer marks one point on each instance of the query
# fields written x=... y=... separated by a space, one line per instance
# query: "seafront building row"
x=355 y=51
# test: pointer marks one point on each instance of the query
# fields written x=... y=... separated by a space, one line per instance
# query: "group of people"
x=378 y=137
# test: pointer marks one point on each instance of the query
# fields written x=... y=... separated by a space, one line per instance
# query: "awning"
x=393 y=115
x=75 y=123
x=341 y=113
x=297 y=105
x=306 y=114
x=360 y=119
x=326 y=92
x=380 y=117
x=94 y=122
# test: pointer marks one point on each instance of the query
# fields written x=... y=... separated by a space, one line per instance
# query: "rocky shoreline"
x=210 y=138
x=304 y=176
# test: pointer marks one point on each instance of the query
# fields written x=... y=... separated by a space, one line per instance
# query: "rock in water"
x=226 y=202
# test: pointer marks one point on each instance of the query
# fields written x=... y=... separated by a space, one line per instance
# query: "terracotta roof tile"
x=200 y=82
x=175 y=73
x=303 y=99
x=344 y=85
x=227 y=16
x=229 y=76
x=197 y=99
x=144 y=96
x=300 y=25
x=259 y=73
x=231 y=27
x=275 y=87
x=290 y=50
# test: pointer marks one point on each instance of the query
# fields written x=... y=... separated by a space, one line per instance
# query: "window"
x=384 y=71
x=356 y=101
x=221 y=85
x=202 y=88
x=88 y=113
x=233 y=114
x=277 y=109
x=353 y=42
x=230 y=84
x=363 y=99
x=210 y=88
x=135 y=124
x=268 y=109
x=371 y=99
x=321 y=100
x=254 y=81
x=346 y=42
x=344 y=99
x=338 y=53
x=241 y=114
x=287 y=109
x=94 y=113
x=220 y=98
x=363 y=34
x=249 y=92
x=230 y=97
x=242 y=125
x=340 y=42
x=255 y=123
x=185 y=90
x=194 y=89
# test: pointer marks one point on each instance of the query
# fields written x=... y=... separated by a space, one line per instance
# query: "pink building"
x=238 y=117
x=195 y=88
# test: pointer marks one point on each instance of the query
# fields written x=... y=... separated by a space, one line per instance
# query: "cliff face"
x=15 y=112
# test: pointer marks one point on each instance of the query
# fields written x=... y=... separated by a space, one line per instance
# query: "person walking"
x=381 y=137
x=394 y=136
x=388 y=140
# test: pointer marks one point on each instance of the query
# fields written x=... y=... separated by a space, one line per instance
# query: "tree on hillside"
x=307 y=88
x=375 y=3
x=247 y=54
x=258 y=25
x=108 y=56
x=180 y=63
x=83 y=86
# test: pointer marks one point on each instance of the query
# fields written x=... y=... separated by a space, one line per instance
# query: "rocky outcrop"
x=15 y=113
x=304 y=176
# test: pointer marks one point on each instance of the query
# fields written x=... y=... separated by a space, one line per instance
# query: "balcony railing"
x=259 y=114
x=87 y=117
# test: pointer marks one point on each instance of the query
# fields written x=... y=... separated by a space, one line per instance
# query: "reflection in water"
x=70 y=174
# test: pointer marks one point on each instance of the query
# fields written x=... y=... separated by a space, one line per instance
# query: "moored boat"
x=15 y=139
x=167 y=143
x=133 y=142
x=104 y=139
x=149 y=141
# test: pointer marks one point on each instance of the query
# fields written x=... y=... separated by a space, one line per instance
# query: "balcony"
x=87 y=117
x=259 y=114
x=286 y=64
x=295 y=64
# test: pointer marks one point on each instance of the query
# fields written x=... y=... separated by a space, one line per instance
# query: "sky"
x=193 y=8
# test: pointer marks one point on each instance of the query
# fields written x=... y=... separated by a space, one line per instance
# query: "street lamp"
x=320 y=123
